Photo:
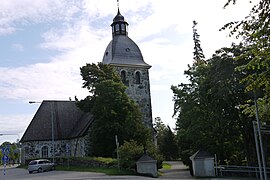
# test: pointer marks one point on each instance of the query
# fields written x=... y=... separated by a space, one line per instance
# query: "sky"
x=43 y=44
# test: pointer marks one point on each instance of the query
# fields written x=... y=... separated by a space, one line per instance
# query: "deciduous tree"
x=113 y=111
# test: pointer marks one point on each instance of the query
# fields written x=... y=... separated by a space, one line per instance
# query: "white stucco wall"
x=147 y=167
x=203 y=167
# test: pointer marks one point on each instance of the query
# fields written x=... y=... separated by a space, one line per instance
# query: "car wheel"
x=30 y=172
x=39 y=170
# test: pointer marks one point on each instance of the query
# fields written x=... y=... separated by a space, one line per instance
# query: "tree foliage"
x=14 y=152
x=253 y=31
x=166 y=142
x=209 y=108
x=113 y=111
x=198 y=52
x=254 y=34
x=210 y=111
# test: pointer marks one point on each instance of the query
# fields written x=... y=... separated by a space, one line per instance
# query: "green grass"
x=108 y=171
x=166 y=166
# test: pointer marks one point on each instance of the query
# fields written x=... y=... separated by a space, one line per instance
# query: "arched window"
x=44 y=152
x=138 y=77
x=123 y=77
x=123 y=27
x=117 y=27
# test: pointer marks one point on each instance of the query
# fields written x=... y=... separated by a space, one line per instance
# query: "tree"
x=166 y=142
x=254 y=33
x=159 y=126
x=188 y=102
x=14 y=153
x=198 y=52
x=113 y=111
x=167 y=145
x=209 y=108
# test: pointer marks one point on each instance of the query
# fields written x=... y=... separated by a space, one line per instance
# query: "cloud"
x=14 y=123
x=21 y=13
x=79 y=32
x=18 y=47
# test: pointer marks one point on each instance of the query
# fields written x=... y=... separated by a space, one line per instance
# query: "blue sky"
x=43 y=43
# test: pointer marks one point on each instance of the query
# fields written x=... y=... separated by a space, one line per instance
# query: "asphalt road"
x=22 y=174
x=178 y=171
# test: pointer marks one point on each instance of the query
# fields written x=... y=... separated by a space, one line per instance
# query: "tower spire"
x=119 y=25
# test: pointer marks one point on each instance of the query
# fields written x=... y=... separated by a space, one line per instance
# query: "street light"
x=34 y=102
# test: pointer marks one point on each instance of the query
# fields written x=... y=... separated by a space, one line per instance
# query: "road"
x=22 y=174
x=178 y=171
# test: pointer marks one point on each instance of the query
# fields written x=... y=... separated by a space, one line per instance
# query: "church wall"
x=62 y=148
x=139 y=92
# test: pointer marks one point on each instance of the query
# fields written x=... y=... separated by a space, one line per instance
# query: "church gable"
x=66 y=119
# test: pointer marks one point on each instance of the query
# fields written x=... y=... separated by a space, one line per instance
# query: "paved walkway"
x=178 y=171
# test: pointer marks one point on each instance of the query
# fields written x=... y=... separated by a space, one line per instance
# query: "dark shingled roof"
x=68 y=121
x=201 y=154
x=123 y=51
x=145 y=157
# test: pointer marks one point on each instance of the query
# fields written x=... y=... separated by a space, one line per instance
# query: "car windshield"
x=33 y=162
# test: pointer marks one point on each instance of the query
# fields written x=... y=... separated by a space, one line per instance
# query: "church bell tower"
x=124 y=54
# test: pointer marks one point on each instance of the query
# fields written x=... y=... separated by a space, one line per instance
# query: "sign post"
x=117 y=151
x=5 y=160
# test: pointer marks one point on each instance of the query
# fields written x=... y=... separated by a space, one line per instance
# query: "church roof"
x=123 y=51
x=68 y=122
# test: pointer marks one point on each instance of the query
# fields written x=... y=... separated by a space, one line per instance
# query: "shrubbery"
x=131 y=151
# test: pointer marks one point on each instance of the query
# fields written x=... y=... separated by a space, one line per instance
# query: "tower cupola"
x=119 y=25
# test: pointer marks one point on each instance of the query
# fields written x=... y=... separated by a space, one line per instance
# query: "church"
x=59 y=128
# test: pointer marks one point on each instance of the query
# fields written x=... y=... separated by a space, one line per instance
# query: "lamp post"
x=260 y=140
x=18 y=141
x=52 y=117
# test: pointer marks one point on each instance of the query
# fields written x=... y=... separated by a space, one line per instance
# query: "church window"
x=122 y=27
x=138 y=77
x=117 y=27
x=113 y=29
x=44 y=152
x=124 y=77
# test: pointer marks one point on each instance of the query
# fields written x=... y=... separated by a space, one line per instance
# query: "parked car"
x=40 y=165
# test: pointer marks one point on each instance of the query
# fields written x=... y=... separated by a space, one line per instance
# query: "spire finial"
x=118 y=4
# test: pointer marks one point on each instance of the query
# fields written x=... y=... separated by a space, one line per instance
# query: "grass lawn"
x=108 y=171
x=166 y=166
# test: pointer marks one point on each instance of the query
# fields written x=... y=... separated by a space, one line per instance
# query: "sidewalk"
x=9 y=166
x=178 y=171
x=181 y=172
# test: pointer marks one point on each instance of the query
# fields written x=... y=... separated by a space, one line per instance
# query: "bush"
x=131 y=151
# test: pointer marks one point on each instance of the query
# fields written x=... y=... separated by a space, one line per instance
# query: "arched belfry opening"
x=138 y=77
